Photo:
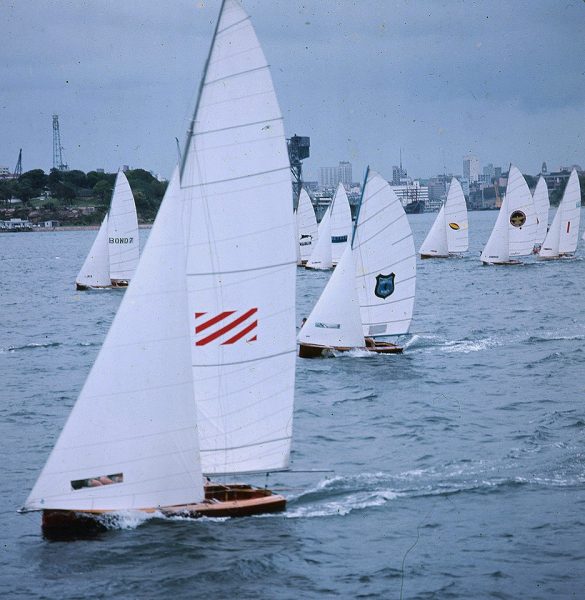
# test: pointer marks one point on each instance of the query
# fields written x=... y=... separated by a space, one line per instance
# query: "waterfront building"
x=412 y=193
x=4 y=171
x=345 y=175
x=330 y=177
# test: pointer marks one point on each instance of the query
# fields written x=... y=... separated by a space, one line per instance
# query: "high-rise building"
x=399 y=175
x=345 y=175
x=471 y=168
x=331 y=176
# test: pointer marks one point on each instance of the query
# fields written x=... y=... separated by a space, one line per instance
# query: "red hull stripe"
x=203 y=326
x=241 y=334
x=227 y=328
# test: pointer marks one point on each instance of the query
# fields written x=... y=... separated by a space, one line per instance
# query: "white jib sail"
x=134 y=427
x=497 y=248
x=435 y=244
x=563 y=235
x=341 y=223
x=542 y=205
x=456 y=224
x=385 y=261
x=95 y=271
x=522 y=219
x=307 y=226
x=335 y=320
x=122 y=231
x=241 y=263
x=321 y=255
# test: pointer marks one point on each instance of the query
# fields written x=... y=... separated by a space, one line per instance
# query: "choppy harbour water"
x=457 y=469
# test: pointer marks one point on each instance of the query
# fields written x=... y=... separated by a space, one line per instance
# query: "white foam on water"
x=128 y=519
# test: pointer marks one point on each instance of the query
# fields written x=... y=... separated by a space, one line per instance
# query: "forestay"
x=306 y=226
x=241 y=262
x=542 y=206
x=341 y=223
x=95 y=271
x=335 y=321
x=133 y=428
x=122 y=231
x=563 y=235
x=320 y=258
x=385 y=261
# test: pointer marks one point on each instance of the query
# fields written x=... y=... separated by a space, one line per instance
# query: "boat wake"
x=30 y=347
x=424 y=343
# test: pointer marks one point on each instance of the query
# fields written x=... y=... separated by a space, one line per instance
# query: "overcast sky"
x=503 y=79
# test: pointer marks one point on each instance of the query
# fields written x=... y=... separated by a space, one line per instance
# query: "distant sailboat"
x=114 y=255
x=371 y=292
x=122 y=233
x=306 y=227
x=563 y=234
x=196 y=374
x=341 y=223
x=449 y=234
x=542 y=206
x=95 y=272
x=321 y=258
x=514 y=233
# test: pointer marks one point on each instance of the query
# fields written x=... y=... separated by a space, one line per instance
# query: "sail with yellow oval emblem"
x=448 y=235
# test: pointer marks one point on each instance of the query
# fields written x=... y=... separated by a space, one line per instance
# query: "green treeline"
x=75 y=197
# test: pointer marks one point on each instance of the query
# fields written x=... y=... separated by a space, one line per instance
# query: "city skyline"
x=363 y=81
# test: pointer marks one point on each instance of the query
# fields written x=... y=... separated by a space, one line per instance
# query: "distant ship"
x=415 y=207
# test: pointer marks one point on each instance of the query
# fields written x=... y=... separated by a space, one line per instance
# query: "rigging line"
x=232 y=75
x=253 y=445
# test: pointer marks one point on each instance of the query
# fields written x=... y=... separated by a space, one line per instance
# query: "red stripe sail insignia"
x=225 y=328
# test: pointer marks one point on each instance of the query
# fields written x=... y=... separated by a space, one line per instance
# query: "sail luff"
x=321 y=258
x=542 y=205
x=341 y=223
x=435 y=244
x=456 y=223
x=307 y=226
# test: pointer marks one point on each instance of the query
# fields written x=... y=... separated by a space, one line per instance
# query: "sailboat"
x=341 y=223
x=562 y=237
x=196 y=375
x=306 y=227
x=114 y=254
x=514 y=233
x=542 y=206
x=449 y=234
x=371 y=292
x=321 y=257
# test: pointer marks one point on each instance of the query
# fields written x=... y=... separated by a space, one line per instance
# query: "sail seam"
x=233 y=25
x=208 y=131
x=197 y=185
x=292 y=262
x=236 y=74
x=225 y=449
x=241 y=362
x=386 y=303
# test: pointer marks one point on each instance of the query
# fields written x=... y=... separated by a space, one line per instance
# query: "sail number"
x=126 y=240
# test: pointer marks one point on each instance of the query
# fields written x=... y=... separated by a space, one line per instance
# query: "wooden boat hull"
x=423 y=256
x=316 y=351
x=234 y=500
x=119 y=283
x=84 y=288
x=557 y=257
x=497 y=264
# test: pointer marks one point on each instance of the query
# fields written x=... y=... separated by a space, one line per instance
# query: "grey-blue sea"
x=457 y=468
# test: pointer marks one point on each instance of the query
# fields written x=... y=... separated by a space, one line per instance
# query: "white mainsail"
x=385 y=261
x=341 y=223
x=321 y=258
x=335 y=320
x=241 y=263
x=456 y=223
x=306 y=226
x=133 y=427
x=542 y=206
x=95 y=271
x=514 y=233
x=122 y=231
x=563 y=235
